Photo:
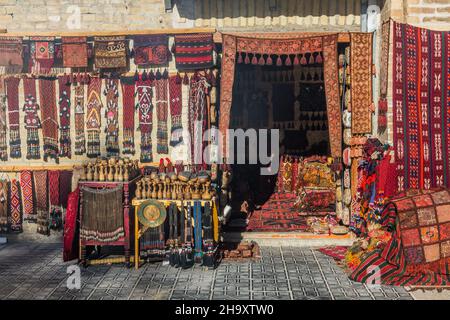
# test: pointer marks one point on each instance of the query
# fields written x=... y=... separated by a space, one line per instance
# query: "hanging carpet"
x=193 y=51
x=15 y=207
x=3 y=123
x=4 y=206
x=110 y=52
x=49 y=118
x=145 y=107
x=70 y=250
x=12 y=92
x=112 y=117
x=75 y=52
x=26 y=186
x=151 y=50
x=65 y=144
x=40 y=187
x=80 y=139
x=42 y=50
x=175 y=91
x=32 y=121
x=93 y=118
x=128 y=95
x=65 y=186
x=162 y=144
x=11 y=51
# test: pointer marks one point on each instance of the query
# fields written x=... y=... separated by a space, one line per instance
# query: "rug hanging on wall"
x=65 y=144
x=175 y=91
x=70 y=251
x=15 y=207
x=42 y=50
x=145 y=107
x=3 y=123
x=32 y=121
x=151 y=50
x=80 y=139
x=420 y=105
x=12 y=92
x=11 y=51
x=65 y=186
x=110 y=52
x=4 y=186
x=26 y=186
x=128 y=94
x=93 y=118
x=193 y=51
x=162 y=144
x=49 y=117
x=75 y=52
x=112 y=117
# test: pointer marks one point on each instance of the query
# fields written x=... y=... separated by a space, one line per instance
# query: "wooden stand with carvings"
x=128 y=192
x=138 y=231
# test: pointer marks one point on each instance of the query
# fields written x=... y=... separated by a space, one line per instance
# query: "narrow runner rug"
x=80 y=139
x=53 y=188
x=49 y=117
x=65 y=186
x=15 y=207
x=145 y=107
x=12 y=93
x=32 y=121
x=161 y=113
x=176 y=136
x=93 y=119
x=26 y=186
x=40 y=180
x=3 y=206
x=361 y=77
x=112 y=117
x=65 y=144
x=3 y=123
x=70 y=251
x=128 y=94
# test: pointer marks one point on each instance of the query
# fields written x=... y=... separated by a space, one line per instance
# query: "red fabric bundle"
x=70 y=250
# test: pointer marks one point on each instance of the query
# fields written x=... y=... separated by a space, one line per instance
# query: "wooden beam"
x=3 y=30
x=109 y=33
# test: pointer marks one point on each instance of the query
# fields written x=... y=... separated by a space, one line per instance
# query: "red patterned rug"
x=336 y=252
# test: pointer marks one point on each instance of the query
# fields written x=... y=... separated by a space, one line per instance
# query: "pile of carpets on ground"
x=304 y=198
x=242 y=250
x=403 y=239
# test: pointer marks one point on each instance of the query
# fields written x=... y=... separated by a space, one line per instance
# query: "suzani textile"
x=421 y=105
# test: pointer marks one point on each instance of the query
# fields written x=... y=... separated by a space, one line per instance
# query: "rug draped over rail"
x=421 y=105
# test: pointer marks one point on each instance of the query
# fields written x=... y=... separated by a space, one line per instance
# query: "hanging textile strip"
x=161 y=113
x=128 y=94
x=11 y=50
x=42 y=51
x=385 y=33
x=361 y=76
x=32 y=121
x=75 y=52
x=41 y=191
x=151 y=50
x=65 y=145
x=12 y=93
x=70 y=225
x=93 y=119
x=3 y=206
x=145 y=107
x=26 y=186
x=3 y=124
x=332 y=94
x=112 y=117
x=15 y=207
x=102 y=218
x=53 y=188
x=194 y=51
x=65 y=187
x=176 y=136
x=80 y=140
x=110 y=52
x=49 y=118
x=197 y=116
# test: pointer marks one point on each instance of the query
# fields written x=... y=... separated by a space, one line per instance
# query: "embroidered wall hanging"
x=193 y=51
x=93 y=119
x=26 y=186
x=3 y=206
x=385 y=35
x=53 y=188
x=42 y=51
x=12 y=93
x=75 y=52
x=3 y=124
x=151 y=50
x=128 y=94
x=11 y=50
x=175 y=91
x=80 y=139
x=110 y=52
x=41 y=191
x=420 y=106
x=49 y=118
x=15 y=207
x=32 y=121
x=65 y=144
x=112 y=117
x=145 y=107
x=161 y=113
x=361 y=75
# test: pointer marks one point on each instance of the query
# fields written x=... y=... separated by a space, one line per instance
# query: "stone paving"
x=36 y=271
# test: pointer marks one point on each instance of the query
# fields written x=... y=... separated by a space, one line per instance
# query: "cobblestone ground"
x=36 y=271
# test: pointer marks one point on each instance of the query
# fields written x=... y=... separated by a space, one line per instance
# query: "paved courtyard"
x=36 y=271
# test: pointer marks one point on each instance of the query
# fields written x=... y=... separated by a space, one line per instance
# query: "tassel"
x=382 y=105
x=240 y=60
x=185 y=79
x=261 y=61
x=296 y=60
x=319 y=58
x=303 y=60
x=269 y=61
x=279 y=61
x=165 y=74
x=288 y=61
x=247 y=59
x=254 y=60
x=311 y=59
x=136 y=76
x=144 y=76
x=151 y=75
x=178 y=78
x=158 y=75
x=132 y=53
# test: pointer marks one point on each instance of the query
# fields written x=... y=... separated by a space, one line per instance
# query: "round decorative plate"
x=152 y=213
